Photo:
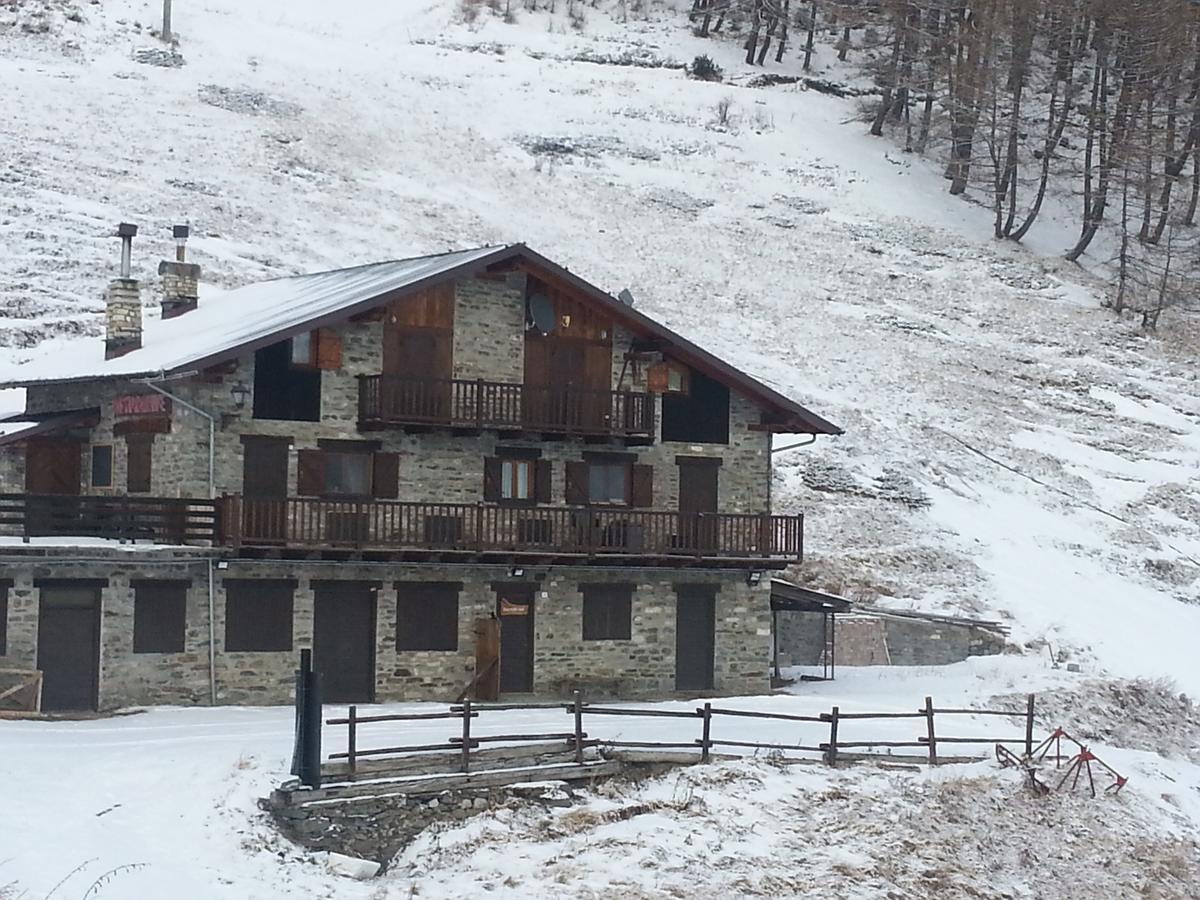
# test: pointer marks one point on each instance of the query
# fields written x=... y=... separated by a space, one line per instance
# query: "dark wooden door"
x=698 y=502
x=265 y=487
x=68 y=650
x=514 y=607
x=344 y=640
x=52 y=466
x=416 y=370
x=486 y=684
x=695 y=621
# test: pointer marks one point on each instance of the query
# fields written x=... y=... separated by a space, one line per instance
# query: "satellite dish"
x=625 y=297
x=541 y=313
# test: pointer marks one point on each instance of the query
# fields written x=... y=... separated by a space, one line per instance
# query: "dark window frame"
x=263 y=629
x=332 y=458
x=436 y=633
x=607 y=612
x=107 y=468
x=139 y=443
x=510 y=469
x=165 y=629
x=625 y=467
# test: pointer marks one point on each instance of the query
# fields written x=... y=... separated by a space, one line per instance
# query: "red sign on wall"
x=141 y=405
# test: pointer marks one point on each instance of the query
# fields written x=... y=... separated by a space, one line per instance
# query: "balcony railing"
x=154 y=519
x=389 y=400
x=559 y=531
x=399 y=527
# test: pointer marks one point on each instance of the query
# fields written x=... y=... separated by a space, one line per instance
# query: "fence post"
x=577 y=708
x=929 y=727
x=479 y=403
x=705 y=737
x=1029 y=728
x=352 y=740
x=466 y=734
x=306 y=757
x=831 y=753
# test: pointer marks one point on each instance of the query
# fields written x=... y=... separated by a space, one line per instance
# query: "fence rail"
x=385 y=400
x=707 y=715
x=476 y=527
x=163 y=520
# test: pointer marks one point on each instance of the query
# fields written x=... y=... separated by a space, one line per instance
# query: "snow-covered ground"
x=170 y=794
x=1010 y=450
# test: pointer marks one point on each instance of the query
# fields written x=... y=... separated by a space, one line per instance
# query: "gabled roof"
x=244 y=320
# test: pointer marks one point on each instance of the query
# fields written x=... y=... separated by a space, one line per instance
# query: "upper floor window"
x=699 y=414
x=139 y=456
x=283 y=390
x=515 y=475
x=608 y=482
x=516 y=479
x=347 y=469
x=102 y=465
x=347 y=474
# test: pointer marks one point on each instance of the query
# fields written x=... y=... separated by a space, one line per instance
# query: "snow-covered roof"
x=264 y=311
x=254 y=316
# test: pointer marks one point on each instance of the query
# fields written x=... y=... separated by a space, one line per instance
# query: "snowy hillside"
x=823 y=260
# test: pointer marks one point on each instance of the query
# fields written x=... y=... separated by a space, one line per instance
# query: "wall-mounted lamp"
x=754 y=578
x=223 y=564
x=240 y=394
x=516 y=572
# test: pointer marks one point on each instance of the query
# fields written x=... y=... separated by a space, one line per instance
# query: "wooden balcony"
x=387 y=401
x=476 y=530
x=153 y=519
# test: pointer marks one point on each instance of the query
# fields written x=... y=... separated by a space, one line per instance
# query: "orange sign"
x=508 y=608
x=658 y=378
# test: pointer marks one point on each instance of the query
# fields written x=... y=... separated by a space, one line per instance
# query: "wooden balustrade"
x=398 y=525
x=388 y=400
x=158 y=519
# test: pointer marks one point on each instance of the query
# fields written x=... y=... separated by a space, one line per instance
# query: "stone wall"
x=641 y=666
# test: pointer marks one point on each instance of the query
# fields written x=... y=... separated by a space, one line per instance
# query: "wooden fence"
x=707 y=717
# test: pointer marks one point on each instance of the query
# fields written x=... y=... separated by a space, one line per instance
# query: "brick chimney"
x=180 y=280
x=123 y=303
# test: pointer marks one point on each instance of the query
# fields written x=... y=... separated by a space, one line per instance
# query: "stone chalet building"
x=468 y=473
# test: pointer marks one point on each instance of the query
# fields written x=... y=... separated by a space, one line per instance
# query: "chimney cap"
x=180 y=231
x=126 y=230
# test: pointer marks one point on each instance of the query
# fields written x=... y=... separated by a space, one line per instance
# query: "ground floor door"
x=695 y=624
x=344 y=640
x=68 y=648
x=514 y=608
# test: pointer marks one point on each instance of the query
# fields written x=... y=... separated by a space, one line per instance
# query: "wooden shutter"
x=577 y=482
x=329 y=349
x=641 y=492
x=543 y=471
x=310 y=476
x=491 y=479
x=385 y=481
x=138 y=457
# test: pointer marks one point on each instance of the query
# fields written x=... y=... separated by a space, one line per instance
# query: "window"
x=677 y=379
x=102 y=465
x=516 y=479
x=427 y=615
x=608 y=482
x=4 y=586
x=159 y=616
x=347 y=473
x=258 y=614
x=700 y=416
x=607 y=611
x=304 y=350
x=138 y=457
x=282 y=390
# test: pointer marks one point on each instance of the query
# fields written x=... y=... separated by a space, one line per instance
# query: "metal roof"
x=793 y=598
x=257 y=315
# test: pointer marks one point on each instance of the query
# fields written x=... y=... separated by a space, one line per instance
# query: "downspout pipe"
x=212 y=494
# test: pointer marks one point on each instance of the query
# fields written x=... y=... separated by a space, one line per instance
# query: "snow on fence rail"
x=577 y=739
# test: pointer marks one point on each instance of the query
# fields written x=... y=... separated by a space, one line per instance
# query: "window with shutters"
x=139 y=455
x=102 y=465
x=516 y=479
x=159 y=616
x=284 y=390
x=258 y=614
x=427 y=615
x=516 y=476
x=607 y=611
x=608 y=482
x=5 y=584
x=347 y=474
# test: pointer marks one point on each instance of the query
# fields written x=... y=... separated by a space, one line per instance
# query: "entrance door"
x=695 y=620
x=264 y=487
x=698 y=498
x=416 y=372
x=344 y=640
x=68 y=648
x=514 y=607
x=52 y=478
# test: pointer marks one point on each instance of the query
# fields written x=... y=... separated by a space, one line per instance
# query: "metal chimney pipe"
x=126 y=233
x=180 y=233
